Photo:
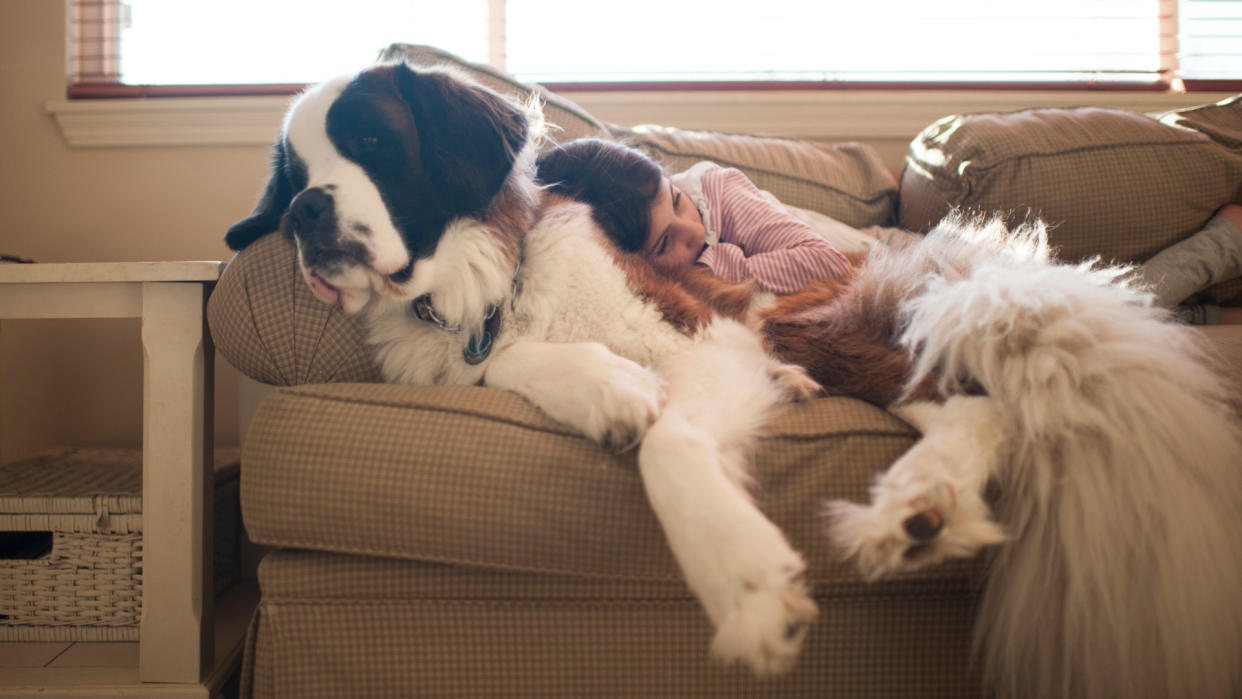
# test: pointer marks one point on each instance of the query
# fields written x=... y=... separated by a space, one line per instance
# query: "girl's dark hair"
x=617 y=182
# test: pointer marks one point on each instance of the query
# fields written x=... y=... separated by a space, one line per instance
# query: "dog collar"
x=478 y=346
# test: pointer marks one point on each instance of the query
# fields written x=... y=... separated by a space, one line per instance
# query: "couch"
x=454 y=541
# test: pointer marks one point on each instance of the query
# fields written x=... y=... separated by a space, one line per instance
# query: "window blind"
x=1211 y=39
x=1094 y=43
x=879 y=40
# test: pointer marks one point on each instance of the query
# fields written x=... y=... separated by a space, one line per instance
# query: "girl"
x=729 y=226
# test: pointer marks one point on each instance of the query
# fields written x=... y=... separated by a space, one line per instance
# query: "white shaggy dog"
x=410 y=195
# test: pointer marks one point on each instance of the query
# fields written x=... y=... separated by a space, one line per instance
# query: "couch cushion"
x=480 y=477
x=1112 y=183
x=1221 y=121
x=570 y=120
x=847 y=181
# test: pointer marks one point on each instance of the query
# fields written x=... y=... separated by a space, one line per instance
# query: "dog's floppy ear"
x=469 y=136
x=272 y=204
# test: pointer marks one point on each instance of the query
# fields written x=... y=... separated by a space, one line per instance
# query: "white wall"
x=79 y=382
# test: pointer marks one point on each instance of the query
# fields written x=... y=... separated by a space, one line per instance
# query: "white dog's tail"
x=1124 y=495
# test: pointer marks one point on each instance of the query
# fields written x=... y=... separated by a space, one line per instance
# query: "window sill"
x=817 y=115
x=206 y=121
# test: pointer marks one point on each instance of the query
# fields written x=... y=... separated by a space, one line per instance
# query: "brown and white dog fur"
x=1120 y=566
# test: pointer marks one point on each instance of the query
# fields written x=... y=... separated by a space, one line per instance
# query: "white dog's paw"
x=794 y=381
x=621 y=400
x=910 y=528
x=767 y=620
x=607 y=398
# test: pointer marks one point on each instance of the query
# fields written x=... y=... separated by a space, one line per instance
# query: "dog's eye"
x=366 y=144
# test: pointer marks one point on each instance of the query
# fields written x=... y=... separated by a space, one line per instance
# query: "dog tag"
x=477 y=348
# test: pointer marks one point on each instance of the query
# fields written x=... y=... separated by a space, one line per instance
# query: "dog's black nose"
x=308 y=211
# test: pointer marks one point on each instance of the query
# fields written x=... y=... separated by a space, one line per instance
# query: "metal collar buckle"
x=478 y=347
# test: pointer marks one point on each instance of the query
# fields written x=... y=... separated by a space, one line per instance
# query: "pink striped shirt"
x=762 y=241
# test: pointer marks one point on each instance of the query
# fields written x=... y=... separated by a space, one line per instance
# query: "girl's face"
x=677 y=236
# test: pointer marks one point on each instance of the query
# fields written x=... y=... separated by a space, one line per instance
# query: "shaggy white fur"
x=1120 y=469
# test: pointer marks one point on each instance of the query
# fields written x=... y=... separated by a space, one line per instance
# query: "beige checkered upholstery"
x=351 y=626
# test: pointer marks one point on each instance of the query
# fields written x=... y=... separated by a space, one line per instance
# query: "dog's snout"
x=309 y=211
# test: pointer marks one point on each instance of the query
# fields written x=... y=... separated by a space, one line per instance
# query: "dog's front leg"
x=608 y=398
x=749 y=580
x=694 y=464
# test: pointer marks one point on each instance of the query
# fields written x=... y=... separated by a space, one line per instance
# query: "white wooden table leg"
x=175 y=638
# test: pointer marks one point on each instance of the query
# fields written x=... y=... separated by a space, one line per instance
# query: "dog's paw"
x=768 y=619
x=794 y=381
x=605 y=397
x=627 y=400
x=903 y=531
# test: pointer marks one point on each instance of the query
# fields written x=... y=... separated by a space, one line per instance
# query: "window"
x=243 y=41
x=1211 y=39
x=1098 y=43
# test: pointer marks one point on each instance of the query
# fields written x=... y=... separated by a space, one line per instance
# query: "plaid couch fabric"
x=353 y=626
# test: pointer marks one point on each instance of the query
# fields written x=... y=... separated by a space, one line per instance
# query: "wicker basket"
x=71 y=543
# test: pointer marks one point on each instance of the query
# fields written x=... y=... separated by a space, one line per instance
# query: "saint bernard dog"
x=1115 y=448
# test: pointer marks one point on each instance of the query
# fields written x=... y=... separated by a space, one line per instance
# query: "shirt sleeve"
x=762 y=241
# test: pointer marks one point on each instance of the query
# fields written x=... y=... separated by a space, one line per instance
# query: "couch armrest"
x=268 y=324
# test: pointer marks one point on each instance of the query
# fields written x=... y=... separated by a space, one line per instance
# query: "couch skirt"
x=333 y=625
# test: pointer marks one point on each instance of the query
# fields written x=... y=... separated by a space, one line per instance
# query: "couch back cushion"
x=847 y=181
x=1111 y=183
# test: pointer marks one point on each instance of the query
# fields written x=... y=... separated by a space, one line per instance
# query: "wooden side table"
x=176 y=636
